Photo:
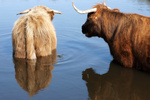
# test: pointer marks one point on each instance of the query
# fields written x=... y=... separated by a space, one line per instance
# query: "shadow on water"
x=118 y=84
x=34 y=75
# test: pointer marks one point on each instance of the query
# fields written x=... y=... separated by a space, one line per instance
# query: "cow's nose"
x=84 y=29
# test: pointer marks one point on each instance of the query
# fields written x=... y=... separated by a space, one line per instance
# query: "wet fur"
x=34 y=34
x=127 y=34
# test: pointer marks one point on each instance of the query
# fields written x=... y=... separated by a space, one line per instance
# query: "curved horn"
x=23 y=12
x=84 y=11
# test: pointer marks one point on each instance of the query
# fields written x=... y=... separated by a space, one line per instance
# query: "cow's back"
x=33 y=35
x=43 y=33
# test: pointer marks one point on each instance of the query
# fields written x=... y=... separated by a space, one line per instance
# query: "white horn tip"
x=72 y=3
x=58 y=12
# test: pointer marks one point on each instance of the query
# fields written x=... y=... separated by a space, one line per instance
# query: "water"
x=81 y=69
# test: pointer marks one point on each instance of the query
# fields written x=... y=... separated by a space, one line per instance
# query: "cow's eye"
x=96 y=18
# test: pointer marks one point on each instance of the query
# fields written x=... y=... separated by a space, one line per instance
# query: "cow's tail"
x=29 y=39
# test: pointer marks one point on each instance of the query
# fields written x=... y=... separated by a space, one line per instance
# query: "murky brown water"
x=80 y=69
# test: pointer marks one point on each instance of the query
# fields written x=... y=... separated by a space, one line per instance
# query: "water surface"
x=80 y=69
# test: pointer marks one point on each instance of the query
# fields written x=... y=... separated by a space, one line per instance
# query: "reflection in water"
x=118 y=84
x=34 y=75
x=145 y=0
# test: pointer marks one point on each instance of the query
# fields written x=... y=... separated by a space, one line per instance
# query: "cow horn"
x=57 y=12
x=23 y=12
x=104 y=3
x=109 y=8
x=84 y=11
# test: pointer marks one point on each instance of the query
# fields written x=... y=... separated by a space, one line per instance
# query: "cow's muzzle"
x=85 y=31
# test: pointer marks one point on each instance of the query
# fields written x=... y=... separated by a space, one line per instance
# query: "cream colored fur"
x=34 y=34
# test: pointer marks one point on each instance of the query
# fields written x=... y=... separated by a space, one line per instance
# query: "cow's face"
x=91 y=27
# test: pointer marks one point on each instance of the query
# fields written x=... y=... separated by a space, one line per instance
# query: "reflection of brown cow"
x=118 y=84
x=127 y=34
x=34 y=75
x=33 y=34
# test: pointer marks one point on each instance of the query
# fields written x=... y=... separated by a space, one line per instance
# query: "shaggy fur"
x=34 y=34
x=127 y=34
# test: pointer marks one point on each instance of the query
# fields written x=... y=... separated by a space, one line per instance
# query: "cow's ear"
x=116 y=10
x=51 y=14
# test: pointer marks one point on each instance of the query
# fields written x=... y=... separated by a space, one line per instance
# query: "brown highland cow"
x=127 y=34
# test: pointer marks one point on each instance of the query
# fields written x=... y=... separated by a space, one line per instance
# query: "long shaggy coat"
x=127 y=34
x=34 y=34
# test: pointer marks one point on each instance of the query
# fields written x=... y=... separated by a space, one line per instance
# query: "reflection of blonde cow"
x=35 y=75
x=33 y=34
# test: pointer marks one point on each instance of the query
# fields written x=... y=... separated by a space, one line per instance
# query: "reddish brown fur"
x=117 y=84
x=127 y=34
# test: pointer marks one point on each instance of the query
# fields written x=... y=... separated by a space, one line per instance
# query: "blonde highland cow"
x=34 y=34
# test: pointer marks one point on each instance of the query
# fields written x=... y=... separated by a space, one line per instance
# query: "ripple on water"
x=78 y=50
x=5 y=43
